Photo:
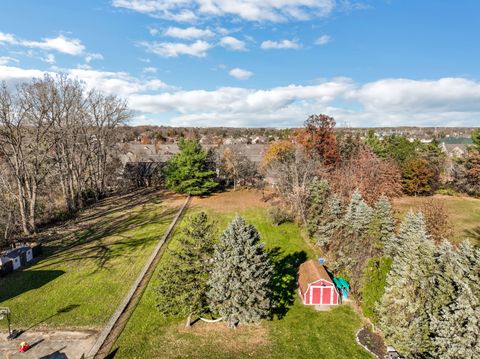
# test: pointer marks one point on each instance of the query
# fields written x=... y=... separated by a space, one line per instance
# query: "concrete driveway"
x=49 y=344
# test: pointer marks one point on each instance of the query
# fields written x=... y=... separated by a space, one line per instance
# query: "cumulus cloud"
x=93 y=56
x=240 y=74
x=60 y=43
x=250 y=10
x=404 y=95
x=323 y=40
x=119 y=83
x=198 y=48
x=188 y=33
x=283 y=44
x=7 y=59
x=386 y=102
x=232 y=43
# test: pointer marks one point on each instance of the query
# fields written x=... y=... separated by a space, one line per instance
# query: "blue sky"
x=258 y=63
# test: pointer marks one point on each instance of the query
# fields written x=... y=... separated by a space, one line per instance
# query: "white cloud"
x=49 y=59
x=60 y=43
x=153 y=31
x=386 y=102
x=4 y=60
x=232 y=43
x=198 y=48
x=119 y=83
x=93 y=56
x=406 y=96
x=323 y=40
x=250 y=10
x=188 y=33
x=240 y=74
x=283 y=44
x=150 y=70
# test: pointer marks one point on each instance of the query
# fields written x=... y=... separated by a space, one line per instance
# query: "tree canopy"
x=190 y=171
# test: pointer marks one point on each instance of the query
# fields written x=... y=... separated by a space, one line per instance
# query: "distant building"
x=16 y=258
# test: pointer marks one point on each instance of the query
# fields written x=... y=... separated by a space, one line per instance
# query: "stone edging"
x=135 y=286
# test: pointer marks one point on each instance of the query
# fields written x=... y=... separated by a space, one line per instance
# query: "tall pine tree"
x=319 y=193
x=190 y=171
x=383 y=214
x=455 y=322
x=182 y=288
x=405 y=307
x=241 y=276
x=412 y=223
x=358 y=214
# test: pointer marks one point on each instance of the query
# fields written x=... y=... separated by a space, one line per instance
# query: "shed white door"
x=16 y=263
x=29 y=255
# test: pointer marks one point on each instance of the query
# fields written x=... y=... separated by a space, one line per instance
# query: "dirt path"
x=115 y=326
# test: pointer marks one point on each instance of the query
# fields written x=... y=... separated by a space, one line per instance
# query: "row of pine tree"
x=425 y=298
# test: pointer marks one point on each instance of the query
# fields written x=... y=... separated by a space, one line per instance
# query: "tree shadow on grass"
x=474 y=235
x=90 y=245
x=19 y=282
x=59 y=311
x=284 y=281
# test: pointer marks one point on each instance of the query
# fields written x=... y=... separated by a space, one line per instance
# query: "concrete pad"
x=52 y=344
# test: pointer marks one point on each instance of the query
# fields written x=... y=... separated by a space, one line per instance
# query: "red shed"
x=315 y=285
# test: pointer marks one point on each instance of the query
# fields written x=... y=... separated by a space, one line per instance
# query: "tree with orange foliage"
x=318 y=138
x=369 y=174
x=278 y=151
x=417 y=177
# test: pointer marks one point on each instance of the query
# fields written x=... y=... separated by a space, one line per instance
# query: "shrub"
x=375 y=277
x=279 y=215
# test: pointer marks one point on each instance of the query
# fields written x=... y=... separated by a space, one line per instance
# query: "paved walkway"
x=49 y=344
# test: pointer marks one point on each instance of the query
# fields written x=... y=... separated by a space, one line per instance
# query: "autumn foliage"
x=318 y=139
x=369 y=174
x=278 y=151
x=417 y=177
x=437 y=220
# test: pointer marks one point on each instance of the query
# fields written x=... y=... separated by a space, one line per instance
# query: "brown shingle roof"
x=309 y=272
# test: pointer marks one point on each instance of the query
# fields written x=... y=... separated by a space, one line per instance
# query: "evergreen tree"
x=182 y=288
x=190 y=171
x=319 y=193
x=358 y=214
x=384 y=215
x=455 y=322
x=412 y=223
x=241 y=276
x=331 y=222
x=404 y=310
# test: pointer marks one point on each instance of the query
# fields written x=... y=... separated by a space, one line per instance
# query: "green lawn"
x=301 y=333
x=84 y=274
x=464 y=213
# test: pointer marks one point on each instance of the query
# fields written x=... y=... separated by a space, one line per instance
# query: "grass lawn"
x=89 y=265
x=301 y=333
x=464 y=213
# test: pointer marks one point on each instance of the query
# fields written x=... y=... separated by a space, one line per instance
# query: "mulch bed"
x=372 y=341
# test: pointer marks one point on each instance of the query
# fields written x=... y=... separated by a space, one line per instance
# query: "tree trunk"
x=32 y=209
x=22 y=208
x=189 y=321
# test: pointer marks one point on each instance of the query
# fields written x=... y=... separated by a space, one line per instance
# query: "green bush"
x=374 y=280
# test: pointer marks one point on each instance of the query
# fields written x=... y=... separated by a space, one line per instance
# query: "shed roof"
x=309 y=272
x=14 y=253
